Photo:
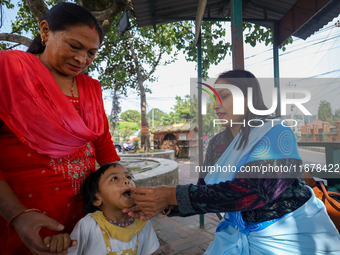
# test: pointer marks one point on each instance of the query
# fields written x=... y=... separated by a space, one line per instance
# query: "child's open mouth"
x=127 y=193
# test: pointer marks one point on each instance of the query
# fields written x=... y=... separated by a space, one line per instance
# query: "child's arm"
x=59 y=243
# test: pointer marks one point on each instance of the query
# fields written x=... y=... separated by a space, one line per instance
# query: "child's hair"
x=91 y=186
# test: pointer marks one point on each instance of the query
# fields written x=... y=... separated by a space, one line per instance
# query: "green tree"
x=130 y=116
x=171 y=118
x=181 y=112
x=336 y=116
x=186 y=110
x=155 y=115
x=207 y=119
x=325 y=111
x=126 y=129
x=182 y=107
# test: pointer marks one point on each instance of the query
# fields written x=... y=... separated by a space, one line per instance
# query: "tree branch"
x=15 y=45
x=115 y=42
x=154 y=67
x=21 y=27
x=15 y=38
x=108 y=13
x=37 y=7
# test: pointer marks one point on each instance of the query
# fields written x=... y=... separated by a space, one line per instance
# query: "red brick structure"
x=181 y=137
x=320 y=131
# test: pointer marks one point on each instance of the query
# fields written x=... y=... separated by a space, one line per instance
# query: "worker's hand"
x=151 y=201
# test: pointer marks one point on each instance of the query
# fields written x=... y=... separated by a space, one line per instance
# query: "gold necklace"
x=72 y=85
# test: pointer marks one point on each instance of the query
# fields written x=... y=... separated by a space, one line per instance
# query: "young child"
x=106 y=229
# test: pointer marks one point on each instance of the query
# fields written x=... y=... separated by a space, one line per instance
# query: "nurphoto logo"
x=238 y=99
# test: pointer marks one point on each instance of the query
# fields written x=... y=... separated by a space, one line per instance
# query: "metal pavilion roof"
x=260 y=12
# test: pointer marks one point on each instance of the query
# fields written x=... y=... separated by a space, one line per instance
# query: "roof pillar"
x=237 y=34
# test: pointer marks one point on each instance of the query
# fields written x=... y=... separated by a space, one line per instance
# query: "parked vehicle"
x=128 y=147
x=118 y=146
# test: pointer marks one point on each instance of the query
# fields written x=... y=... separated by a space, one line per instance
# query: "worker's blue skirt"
x=306 y=231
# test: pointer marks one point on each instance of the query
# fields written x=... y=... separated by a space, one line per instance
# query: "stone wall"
x=166 y=154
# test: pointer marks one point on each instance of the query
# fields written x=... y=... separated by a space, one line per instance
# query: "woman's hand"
x=28 y=226
x=136 y=212
x=151 y=201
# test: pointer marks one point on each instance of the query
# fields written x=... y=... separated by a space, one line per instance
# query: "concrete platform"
x=183 y=236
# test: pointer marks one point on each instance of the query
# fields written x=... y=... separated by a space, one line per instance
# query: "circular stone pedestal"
x=148 y=172
x=167 y=154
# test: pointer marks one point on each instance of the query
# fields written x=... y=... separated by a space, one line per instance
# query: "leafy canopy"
x=130 y=116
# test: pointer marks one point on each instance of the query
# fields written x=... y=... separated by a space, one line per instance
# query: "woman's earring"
x=43 y=43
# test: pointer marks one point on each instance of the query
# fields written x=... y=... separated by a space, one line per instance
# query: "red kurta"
x=49 y=184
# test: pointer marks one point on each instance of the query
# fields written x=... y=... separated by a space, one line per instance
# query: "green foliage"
x=207 y=119
x=136 y=144
x=186 y=110
x=181 y=114
x=157 y=116
x=130 y=116
x=182 y=107
x=336 y=116
x=120 y=70
x=128 y=125
x=256 y=34
x=125 y=129
x=5 y=46
x=114 y=63
x=213 y=44
x=325 y=111
x=25 y=21
x=8 y=4
x=171 y=119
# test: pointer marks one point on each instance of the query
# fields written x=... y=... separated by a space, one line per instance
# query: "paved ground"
x=183 y=236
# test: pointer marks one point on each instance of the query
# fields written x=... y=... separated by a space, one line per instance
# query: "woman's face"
x=225 y=111
x=70 y=51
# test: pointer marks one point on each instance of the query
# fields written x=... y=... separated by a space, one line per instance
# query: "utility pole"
x=292 y=107
x=116 y=109
x=153 y=118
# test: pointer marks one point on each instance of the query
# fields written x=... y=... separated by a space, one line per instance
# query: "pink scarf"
x=37 y=111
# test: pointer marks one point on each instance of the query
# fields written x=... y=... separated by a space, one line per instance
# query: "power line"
x=318 y=52
x=297 y=40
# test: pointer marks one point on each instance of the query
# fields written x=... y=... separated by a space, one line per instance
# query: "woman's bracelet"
x=167 y=211
x=9 y=224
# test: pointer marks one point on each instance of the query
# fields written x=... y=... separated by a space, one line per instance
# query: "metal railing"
x=332 y=152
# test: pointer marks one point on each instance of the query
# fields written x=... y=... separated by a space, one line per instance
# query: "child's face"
x=115 y=187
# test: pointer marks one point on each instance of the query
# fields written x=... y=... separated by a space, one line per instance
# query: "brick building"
x=320 y=131
x=181 y=137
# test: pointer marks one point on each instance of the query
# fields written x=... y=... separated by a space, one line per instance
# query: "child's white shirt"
x=91 y=242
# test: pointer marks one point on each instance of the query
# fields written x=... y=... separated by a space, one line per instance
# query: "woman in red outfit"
x=52 y=129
